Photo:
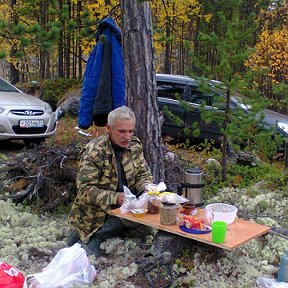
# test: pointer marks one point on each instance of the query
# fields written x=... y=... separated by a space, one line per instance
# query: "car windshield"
x=6 y=87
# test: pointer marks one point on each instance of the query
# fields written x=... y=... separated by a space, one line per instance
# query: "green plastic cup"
x=219 y=229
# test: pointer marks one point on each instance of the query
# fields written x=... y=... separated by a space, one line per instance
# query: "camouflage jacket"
x=97 y=181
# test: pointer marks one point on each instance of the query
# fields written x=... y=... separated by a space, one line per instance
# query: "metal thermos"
x=192 y=186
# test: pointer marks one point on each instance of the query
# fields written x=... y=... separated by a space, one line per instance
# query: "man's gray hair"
x=121 y=113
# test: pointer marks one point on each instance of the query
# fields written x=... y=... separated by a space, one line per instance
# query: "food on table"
x=153 y=202
x=139 y=212
x=168 y=213
x=191 y=221
x=187 y=208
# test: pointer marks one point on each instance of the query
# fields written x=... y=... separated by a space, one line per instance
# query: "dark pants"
x=112 y=227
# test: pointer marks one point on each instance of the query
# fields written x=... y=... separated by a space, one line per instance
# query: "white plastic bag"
x=156 y=188
x=172 y=197
x=128 y=194
x=69 y=267
x=131 y=202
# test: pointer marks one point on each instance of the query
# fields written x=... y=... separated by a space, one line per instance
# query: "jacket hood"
x=109 y=23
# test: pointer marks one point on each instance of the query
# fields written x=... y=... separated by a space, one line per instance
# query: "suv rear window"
x=211 y=99
x=170 y=90
x=198 y=97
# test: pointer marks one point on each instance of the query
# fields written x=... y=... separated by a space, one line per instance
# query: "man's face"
x=121 y=132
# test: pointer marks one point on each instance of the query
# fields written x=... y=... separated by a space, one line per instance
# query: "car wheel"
x=32 y=142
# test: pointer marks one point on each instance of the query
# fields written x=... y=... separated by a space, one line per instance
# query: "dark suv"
x=173 y=89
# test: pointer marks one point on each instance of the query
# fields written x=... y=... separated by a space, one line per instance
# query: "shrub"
x=52 y=90
x=240 y=176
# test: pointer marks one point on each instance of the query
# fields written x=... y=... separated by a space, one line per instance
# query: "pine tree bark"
x=67 y=47
x=141 y=82
x=60 y=43
x=44 y=69
x=167 y=61
x=225 y=142
x=14 y=72
x=79 y=48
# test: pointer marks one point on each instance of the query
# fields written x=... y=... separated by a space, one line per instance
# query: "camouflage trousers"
x=112 y=227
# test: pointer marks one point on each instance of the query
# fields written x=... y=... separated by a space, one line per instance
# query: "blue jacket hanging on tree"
x=103 y=87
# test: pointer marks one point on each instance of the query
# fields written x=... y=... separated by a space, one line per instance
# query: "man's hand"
x=120 y=198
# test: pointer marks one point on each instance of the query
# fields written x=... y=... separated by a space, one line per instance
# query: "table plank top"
x=238 y=233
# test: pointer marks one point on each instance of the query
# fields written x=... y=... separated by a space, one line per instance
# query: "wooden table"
x=238 y=233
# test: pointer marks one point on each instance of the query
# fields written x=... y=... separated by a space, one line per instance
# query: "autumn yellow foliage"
x=97 y=9
x=271 y=53
x=174 y=22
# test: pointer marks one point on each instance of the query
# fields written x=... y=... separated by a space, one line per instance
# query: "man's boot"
x=112 y=227
x=93 y=246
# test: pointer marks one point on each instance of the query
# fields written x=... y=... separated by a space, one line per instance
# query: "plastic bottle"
x=283 y=268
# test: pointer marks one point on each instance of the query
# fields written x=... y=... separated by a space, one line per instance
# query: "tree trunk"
x=68 y=46
x=44 y=6
x=286 y=156
x=225 y=139
x=141 y=82
x=167 y=61
x=79 y=50
x=60 y=43
x=14 y=72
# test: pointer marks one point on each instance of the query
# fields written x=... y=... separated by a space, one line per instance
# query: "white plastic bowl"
x=221 y=212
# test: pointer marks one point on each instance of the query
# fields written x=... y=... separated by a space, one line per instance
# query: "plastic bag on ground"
x=10 y=276
x=131 y=202
x=69 y=267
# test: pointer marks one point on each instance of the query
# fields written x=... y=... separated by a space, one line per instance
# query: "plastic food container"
x=221 y=212
x=139 y=212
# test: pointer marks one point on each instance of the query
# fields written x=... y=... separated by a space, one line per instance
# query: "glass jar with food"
x=153 y=202
x=188 y=209
x=168 y=213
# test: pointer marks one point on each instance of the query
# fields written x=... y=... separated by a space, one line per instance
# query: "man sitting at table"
x=107 y=163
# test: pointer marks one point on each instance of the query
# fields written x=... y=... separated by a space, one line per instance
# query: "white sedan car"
x=24 y=117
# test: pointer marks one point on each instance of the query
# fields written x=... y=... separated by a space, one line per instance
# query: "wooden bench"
x=238 y=233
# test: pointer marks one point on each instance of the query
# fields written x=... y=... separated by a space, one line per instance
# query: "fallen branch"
x=46 y=176
x=281 y=232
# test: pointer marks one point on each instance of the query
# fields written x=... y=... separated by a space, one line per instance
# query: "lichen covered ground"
x=29 y=242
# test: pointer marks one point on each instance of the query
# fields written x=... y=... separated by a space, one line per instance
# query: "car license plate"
x=31 y=123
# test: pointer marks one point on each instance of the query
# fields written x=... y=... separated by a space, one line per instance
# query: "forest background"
x=50 y=39
x=240 y=43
